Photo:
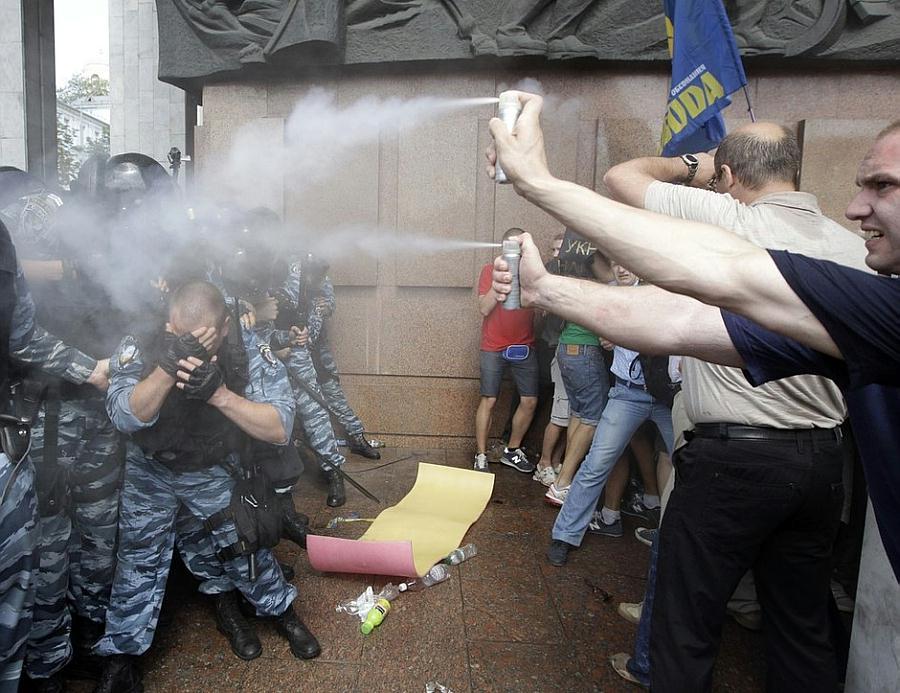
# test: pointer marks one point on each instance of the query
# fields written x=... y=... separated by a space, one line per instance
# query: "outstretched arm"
x=645 y=318
x=698 y=260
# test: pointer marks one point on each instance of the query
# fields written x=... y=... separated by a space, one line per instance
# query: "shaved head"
x=197 y=304
x=759 y=154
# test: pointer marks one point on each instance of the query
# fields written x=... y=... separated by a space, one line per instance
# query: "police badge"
x=266 y=352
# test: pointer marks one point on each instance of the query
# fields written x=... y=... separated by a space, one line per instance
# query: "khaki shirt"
x=781 y=221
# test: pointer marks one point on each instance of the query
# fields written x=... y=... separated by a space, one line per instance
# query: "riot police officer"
x=186 y=402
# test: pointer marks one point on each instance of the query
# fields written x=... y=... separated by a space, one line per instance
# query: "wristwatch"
x=693 y=163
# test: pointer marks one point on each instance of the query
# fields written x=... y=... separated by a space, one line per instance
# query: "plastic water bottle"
x=381 y=609
x=438 y=573
x=463 y=553
x=375 y=616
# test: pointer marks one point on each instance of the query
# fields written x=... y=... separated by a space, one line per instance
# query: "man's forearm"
x=256 y=419
x=686 y=257
x=147 y=397
x=487 y=302
x=645 y=318
x=628 y=182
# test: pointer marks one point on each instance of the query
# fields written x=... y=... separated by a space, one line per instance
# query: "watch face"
x=690 y=159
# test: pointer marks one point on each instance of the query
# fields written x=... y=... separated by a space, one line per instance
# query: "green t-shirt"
x=576 y=334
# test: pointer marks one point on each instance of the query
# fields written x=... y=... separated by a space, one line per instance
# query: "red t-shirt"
x=502 y=327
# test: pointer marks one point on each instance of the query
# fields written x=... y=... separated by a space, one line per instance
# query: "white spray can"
x=512 y=253
x=508 y=111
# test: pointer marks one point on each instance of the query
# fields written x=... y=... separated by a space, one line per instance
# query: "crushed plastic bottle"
x=375 y=443
x=463 y=553
x=438 y=573
x=358 y=606
x=334 y=522
x=435 y=687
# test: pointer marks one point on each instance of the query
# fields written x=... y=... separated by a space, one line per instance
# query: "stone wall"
x=406 y=329
x=12 y=86
x=146 y=115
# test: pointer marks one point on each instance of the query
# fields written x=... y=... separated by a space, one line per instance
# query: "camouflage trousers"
x=78 y=533
x=314 y=418
x=334 y=393
x=19 y=555
x=157 y=507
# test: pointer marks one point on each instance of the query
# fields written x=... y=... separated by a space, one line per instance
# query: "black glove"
x=178 y=348
x=204 y=381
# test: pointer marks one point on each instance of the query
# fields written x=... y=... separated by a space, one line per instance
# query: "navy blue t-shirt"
x=862 y=315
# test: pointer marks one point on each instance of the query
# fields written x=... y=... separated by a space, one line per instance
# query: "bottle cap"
x=366 y=628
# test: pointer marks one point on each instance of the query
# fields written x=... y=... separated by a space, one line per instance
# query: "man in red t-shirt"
x=507 y=339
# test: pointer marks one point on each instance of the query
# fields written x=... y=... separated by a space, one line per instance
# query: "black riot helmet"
x=313 y=269
x=122 y=182
x=253 y=263
x=29 y=210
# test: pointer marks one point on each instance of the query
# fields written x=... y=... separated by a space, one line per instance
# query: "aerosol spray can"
x=508 y=111
x=512 y=252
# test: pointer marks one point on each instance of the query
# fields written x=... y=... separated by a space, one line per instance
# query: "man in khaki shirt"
x=734 y=508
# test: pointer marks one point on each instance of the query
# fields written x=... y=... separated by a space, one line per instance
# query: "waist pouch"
x=256 y=514
x=516 y=352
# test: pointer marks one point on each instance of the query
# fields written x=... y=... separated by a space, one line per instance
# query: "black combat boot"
x=359 y=445
x=232 y=624
x=294 y=525
x=303 y=643
x=85 y=664
x=337 y=495
x=120 y=675
x=287 y=570
x=52 y=684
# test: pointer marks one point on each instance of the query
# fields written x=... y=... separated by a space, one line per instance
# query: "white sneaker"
x=545 y=475
x=631 y=612
x=556 y=496
x=481 y=463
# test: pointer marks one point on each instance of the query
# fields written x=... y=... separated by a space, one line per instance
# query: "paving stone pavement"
x=505 y=620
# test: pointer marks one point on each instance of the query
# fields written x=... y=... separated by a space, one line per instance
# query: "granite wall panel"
x=406 y=330
x=832 y=149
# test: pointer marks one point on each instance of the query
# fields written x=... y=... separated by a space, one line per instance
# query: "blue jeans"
x=625 y=411
x=639 y=665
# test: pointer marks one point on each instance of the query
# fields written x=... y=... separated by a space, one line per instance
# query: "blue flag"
x=706 y=68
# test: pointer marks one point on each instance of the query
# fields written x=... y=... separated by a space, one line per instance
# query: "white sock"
x=609 y=516
x=651 y=501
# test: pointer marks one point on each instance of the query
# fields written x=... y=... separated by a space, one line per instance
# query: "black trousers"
x=770 y=505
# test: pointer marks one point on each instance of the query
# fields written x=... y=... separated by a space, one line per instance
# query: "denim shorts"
x=524 y=373
x=559 y=412
x=586 y=378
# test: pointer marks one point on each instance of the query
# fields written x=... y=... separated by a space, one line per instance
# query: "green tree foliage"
x=67 y=161
x=79 y=88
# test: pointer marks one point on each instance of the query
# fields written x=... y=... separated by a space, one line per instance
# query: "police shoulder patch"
x=128 y=351
x=266 y=352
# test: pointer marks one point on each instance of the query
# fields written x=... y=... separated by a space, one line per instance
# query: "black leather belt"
x=630 y=384
x=724 y=431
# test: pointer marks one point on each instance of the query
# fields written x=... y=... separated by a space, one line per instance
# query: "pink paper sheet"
x=333 y=555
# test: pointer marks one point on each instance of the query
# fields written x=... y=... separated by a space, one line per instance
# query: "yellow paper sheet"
x=436 y=514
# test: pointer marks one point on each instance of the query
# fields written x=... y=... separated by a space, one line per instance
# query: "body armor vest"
x=190 y=434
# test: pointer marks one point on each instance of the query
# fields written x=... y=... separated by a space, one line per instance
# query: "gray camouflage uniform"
x=159 y=506
x=314 y=418
x=20 y=552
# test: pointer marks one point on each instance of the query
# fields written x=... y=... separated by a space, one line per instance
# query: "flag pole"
x=749 y=105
